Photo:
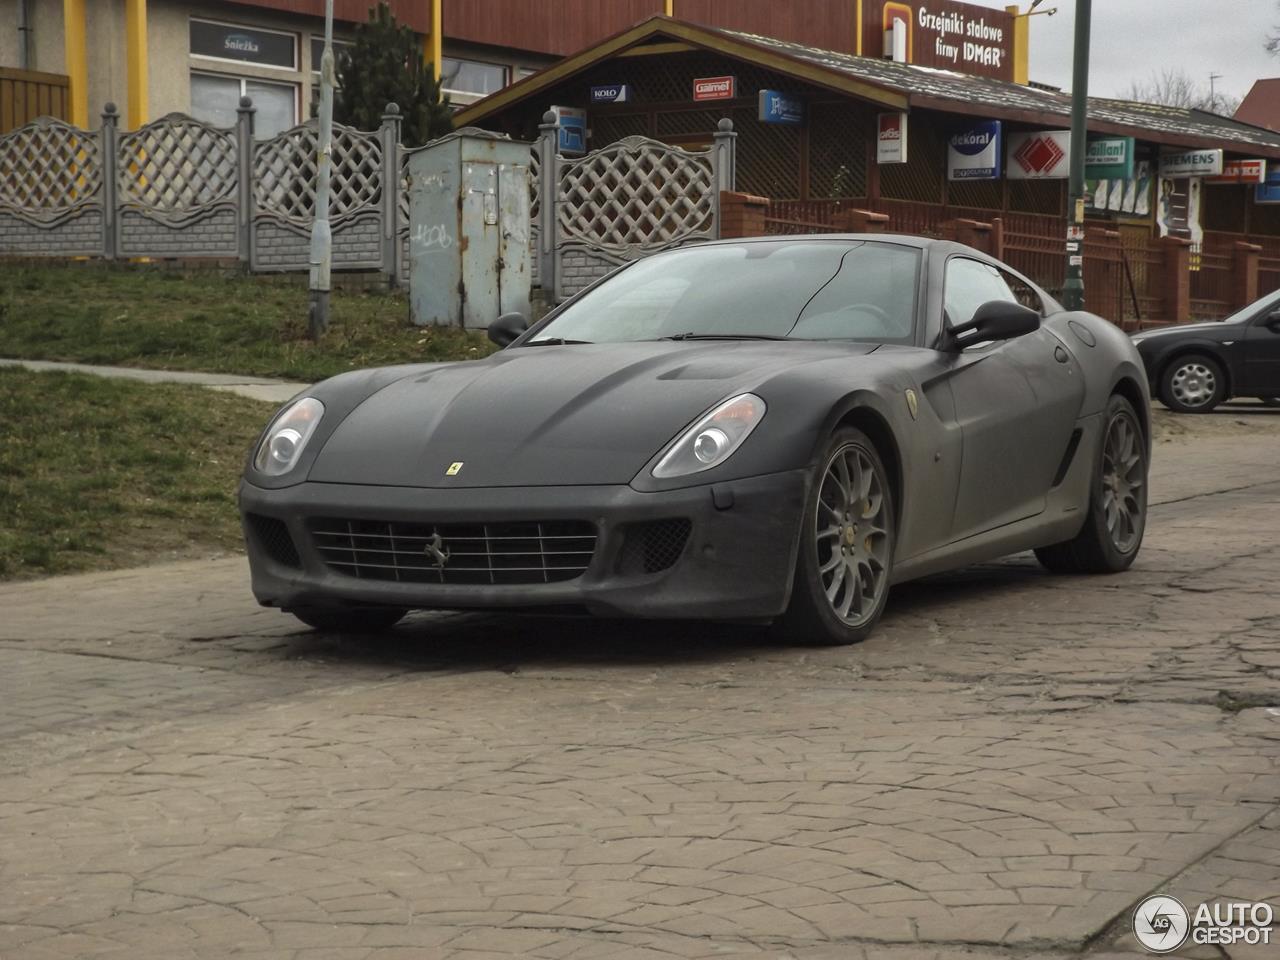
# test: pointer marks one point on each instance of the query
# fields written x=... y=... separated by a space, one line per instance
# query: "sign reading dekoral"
x=714 y=88
x=891 y=138
x=1038 y=155
x=1191 y=163
x=974 y=152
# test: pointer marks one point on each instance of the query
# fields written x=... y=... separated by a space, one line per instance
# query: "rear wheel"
x=1112 y=532
x=1193 y=384
x=350 y=619
x=846 y=547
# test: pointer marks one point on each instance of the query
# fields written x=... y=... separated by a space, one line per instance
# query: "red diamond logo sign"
x=1038 y=155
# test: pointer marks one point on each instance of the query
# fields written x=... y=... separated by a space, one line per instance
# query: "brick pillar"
x=741 y=215
x=997 y=238
x=862 y=221
x=1177 y=279
x=973 y=233
x=1244 y=274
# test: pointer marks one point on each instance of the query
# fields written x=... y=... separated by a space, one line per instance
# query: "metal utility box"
x=469 y=255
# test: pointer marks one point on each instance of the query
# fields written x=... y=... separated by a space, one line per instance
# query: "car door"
x=1016 y=402
x=1260 y=356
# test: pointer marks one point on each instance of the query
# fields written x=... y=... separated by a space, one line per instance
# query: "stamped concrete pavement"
x=1004 y=769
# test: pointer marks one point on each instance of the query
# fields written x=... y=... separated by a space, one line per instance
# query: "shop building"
x=827 y=139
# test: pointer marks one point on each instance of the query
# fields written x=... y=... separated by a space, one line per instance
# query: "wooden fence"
x=27 y=94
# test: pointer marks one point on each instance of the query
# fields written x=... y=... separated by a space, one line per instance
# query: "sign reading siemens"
x=1191 y=163
x=974 y=153
x=611 y=93
x=775 y=107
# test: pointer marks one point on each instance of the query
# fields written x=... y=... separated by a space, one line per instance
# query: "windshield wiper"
x=552 y=342
x=691 y=335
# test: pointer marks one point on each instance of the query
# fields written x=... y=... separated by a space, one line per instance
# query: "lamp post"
x=321 y=259
x=1073 y=289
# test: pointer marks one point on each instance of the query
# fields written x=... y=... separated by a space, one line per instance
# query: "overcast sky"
x=1131 y=38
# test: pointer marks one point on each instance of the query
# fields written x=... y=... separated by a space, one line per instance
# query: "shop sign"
x=1038 y=155
x=1191 y=163
x=571 y=131
x=974 y=152
x=1242 y=171
x=1109 y=159
x=714 y=88
x=611 y=93
x=1131 y=195
x=267 y=48
x=775 y=107
x=951 y=35
x=891 y=138
x=1269 y=190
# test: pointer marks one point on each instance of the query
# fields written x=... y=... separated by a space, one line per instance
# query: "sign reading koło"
x=611 y=93
x=1191 y=163
x=1109 y=159
x=974 y=152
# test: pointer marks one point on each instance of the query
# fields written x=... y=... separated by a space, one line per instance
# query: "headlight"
x=712 y=439
x=288 y=434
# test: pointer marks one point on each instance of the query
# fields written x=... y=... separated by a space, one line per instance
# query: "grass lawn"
x=138 y=316
x=98 y=473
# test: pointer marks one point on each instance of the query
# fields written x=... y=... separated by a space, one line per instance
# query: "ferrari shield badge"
x=912 y=403
x=456 y=467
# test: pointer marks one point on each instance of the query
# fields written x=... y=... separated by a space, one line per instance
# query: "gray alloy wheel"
x=1123 y=483
x=1193 y=384
x=846 y=546
x=851 y=535
x=1111 y=534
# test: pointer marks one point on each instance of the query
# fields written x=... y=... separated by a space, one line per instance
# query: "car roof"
x=898 y=238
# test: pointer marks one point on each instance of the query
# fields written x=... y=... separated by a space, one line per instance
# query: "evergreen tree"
x=384 y=65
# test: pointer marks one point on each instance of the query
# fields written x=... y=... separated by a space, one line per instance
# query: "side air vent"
x=273 y=537
x=653 y=546
x=1072 y=446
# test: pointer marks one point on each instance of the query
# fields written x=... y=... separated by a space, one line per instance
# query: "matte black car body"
x=989 y=451
x=1245 y=349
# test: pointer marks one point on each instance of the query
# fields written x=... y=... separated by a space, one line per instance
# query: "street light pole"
x=321 y=259
x=1073 y=289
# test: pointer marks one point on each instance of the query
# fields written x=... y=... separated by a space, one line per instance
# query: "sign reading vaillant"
x=974 y=152
x=1109 y=159
x=1191 y=163
x=775 y=107
x=611 y=93
x=714 y=88
x=572 y=131
x=891 y=138
x=1242 y=171
x=1039 y=155
x=941 y=33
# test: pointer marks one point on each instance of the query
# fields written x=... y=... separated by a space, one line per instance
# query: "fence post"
x=389 y=133
x=244 y=181
x=725 y=165
x=1244 y=274
x=1177 y=279
x=548 y=208
x=741 y=215
x=110 y=186
x=997 y=238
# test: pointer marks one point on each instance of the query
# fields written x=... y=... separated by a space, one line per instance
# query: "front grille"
x=521 y=552
x=653 y=546
x=273 y=537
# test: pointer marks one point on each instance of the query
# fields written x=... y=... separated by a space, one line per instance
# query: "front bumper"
x=736 y=564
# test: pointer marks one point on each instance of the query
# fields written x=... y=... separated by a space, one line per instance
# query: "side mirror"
x=994 y=320
x=507 y=327
x=1273 y=320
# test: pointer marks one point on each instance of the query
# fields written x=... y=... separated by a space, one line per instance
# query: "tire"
x=350 y=619
x=849 y=462
x=1194 y=383
x=1113 y=528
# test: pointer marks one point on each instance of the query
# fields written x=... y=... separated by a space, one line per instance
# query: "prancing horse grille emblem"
x=436 y=550
x=454 y=469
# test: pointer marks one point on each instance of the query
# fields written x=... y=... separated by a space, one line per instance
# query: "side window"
x=1024 y=293
x=969 y=284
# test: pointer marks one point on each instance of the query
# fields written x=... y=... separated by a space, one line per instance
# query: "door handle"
x=1061 y=355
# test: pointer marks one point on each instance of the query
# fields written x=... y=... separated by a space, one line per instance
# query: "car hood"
x=1195 y=329
x=549 y=415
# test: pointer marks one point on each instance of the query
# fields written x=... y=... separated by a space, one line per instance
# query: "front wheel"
x=349 y=619
x=846 y=547
x=1112 y=532
x=1193 y=384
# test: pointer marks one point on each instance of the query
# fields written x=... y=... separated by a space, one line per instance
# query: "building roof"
x=906 y=86
x=1261 y=105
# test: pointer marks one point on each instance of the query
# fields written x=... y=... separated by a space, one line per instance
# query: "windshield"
x=801 y=289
